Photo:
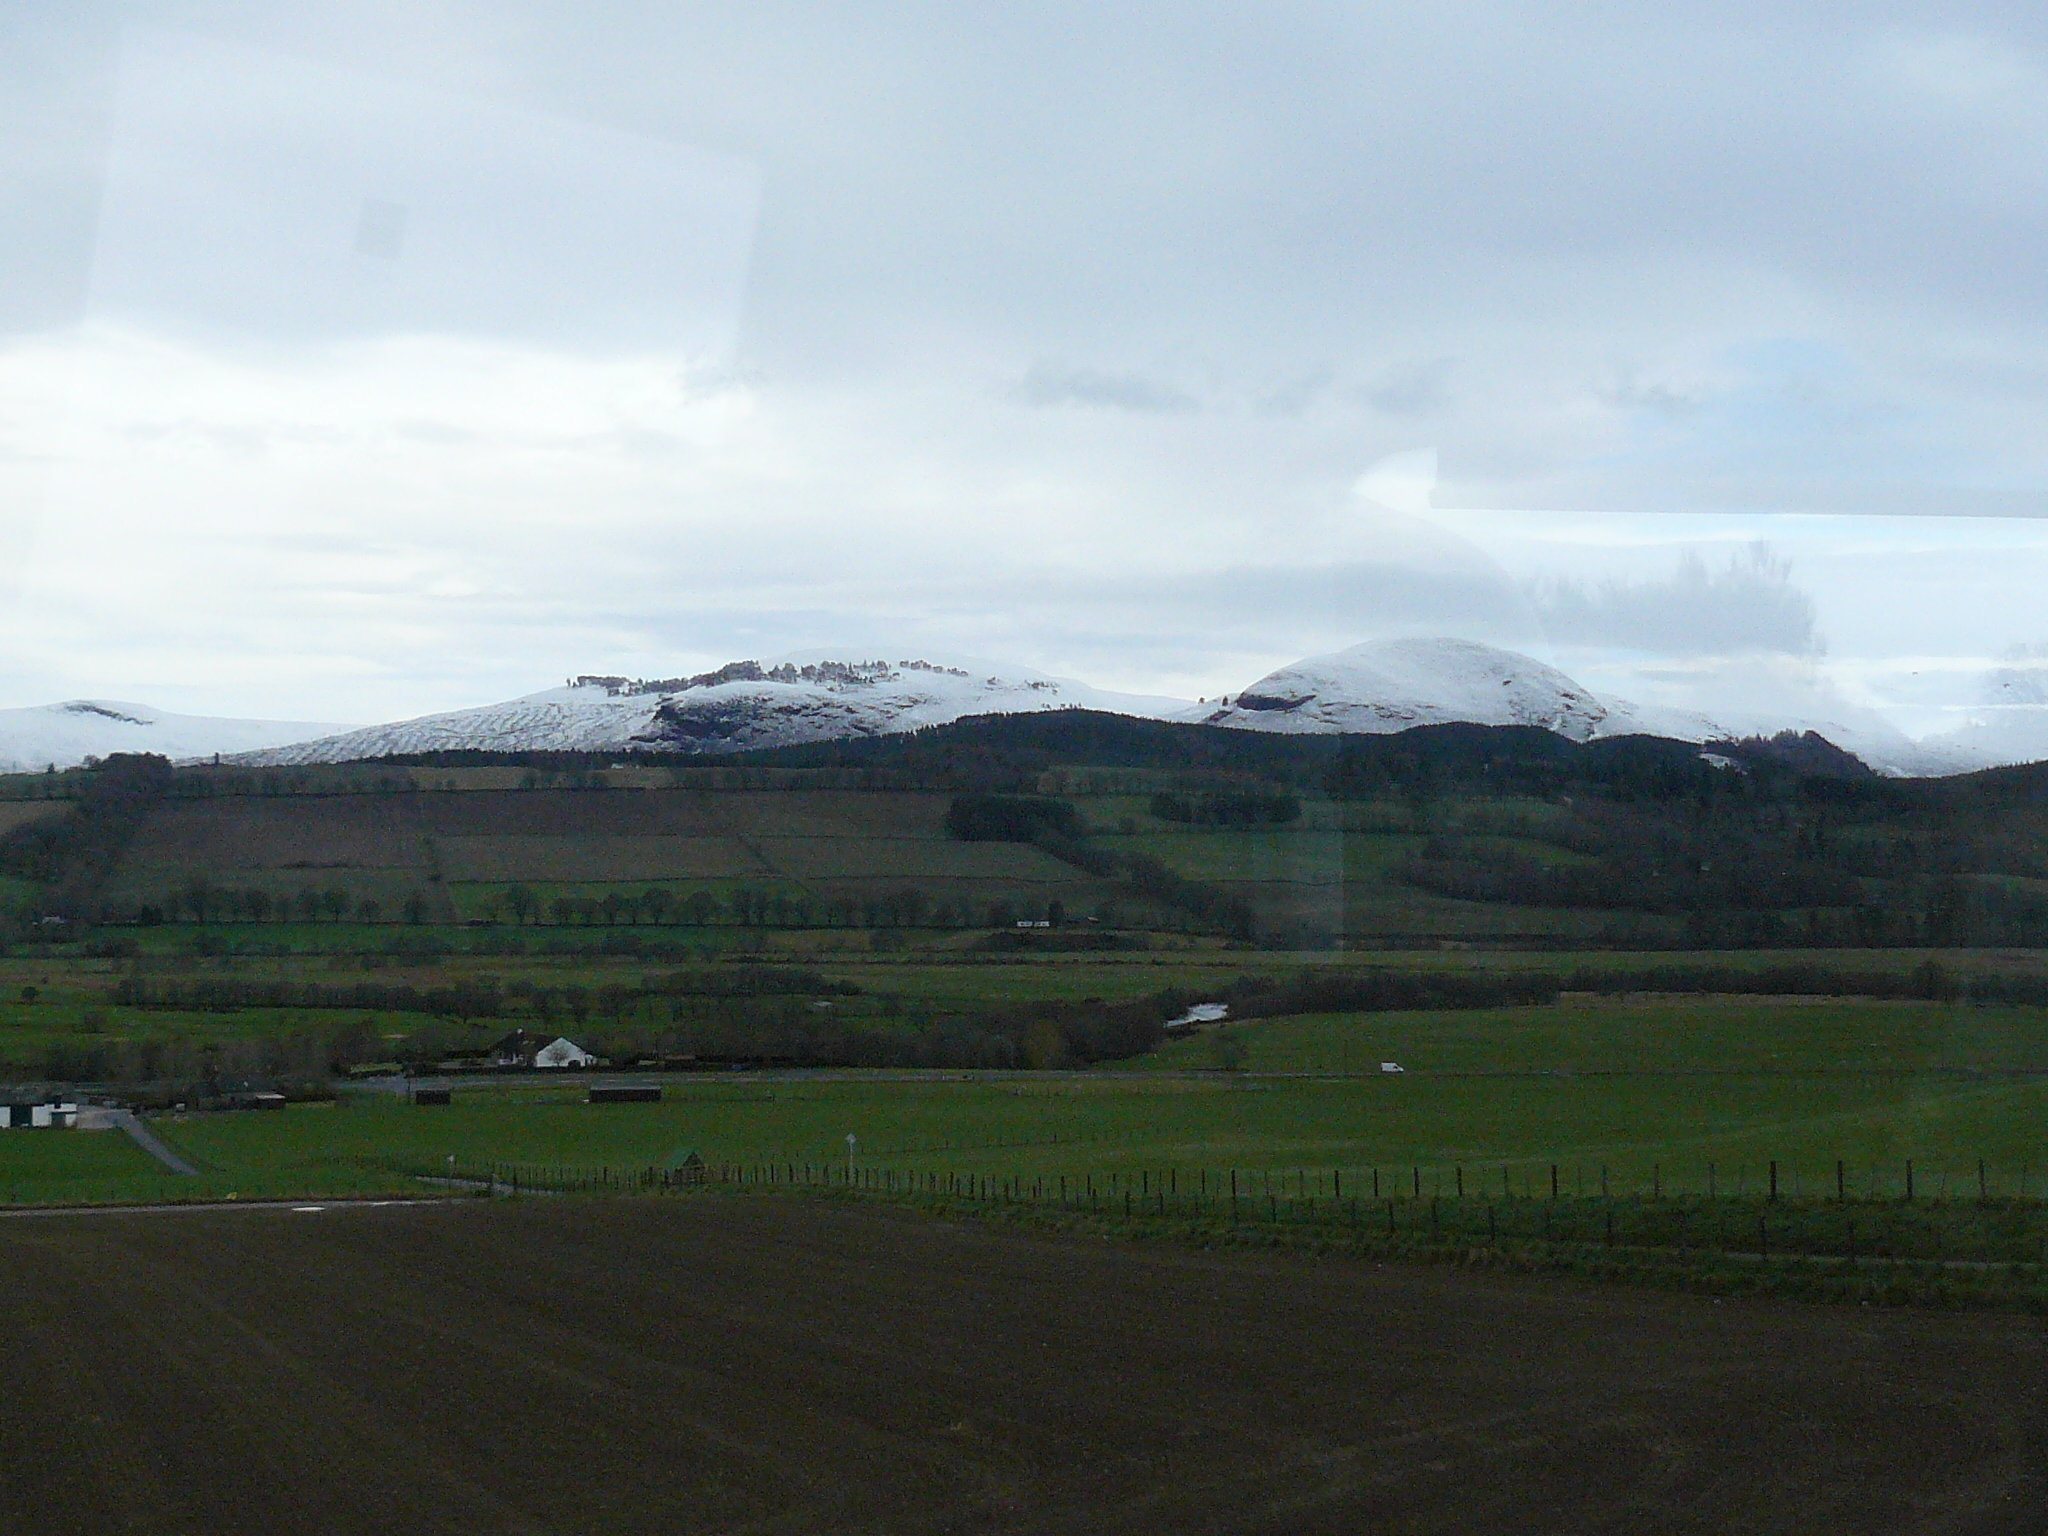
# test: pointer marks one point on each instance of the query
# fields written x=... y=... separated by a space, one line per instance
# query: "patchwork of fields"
x=462 y=849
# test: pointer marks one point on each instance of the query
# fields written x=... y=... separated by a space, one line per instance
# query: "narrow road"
x=148 y=1140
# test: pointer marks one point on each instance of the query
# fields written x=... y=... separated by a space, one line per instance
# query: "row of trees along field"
x=203 y=902
x=744 y=906
x=794 y=1016
x=781 y=1014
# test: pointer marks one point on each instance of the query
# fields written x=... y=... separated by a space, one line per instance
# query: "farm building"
x=625 y=1093
x=38 y=1117
x=520 y=1049
x=563 y=1052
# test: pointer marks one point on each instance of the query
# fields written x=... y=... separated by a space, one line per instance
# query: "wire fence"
x=1993 y=1217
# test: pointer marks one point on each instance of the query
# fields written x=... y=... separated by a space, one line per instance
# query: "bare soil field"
x=233 y=839
x=687 y=813
x=598 y=856
x=724 y=1364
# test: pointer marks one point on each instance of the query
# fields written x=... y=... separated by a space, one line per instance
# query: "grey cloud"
x=1297 y=394
x=1633 y=394
x=1314 y=200
x=2022 y=682
x=1749 y=606
x=1412 y=389
x=1047 y=384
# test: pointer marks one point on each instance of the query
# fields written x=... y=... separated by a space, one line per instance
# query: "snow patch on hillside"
x=65 y=735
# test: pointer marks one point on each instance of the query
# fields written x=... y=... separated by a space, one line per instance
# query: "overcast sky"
x=359 y=361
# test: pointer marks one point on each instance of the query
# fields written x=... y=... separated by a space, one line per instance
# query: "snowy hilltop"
x=64 y=735
x=739 y=707
x=1390 y=685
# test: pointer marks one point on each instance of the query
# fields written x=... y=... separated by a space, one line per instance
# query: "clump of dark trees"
x=1056 y=827
x=71 y=855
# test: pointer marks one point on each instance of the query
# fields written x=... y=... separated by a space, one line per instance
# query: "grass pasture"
x=80 y=1167
x=1651 y=1094
x=1735 y=1035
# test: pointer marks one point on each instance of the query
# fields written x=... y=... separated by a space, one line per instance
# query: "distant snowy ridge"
x=65 y=735
x=743 y=706
x=1380 y=687
x=1385 y=686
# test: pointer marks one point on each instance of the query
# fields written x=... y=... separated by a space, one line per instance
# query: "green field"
x=80 y=1167
x=1649 y=1093
x=1712 y=1036
x=1686 y=1132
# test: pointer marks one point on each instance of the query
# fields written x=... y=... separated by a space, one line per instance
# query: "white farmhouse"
x=563 y=1052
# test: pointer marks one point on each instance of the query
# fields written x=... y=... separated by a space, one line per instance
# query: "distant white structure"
x=520 y=1049
x=1201 y=1013
x=37 y=1117
x=1391 y=1066
x=563 y=1052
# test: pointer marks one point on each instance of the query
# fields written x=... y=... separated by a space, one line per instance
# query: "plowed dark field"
x=762 y=1366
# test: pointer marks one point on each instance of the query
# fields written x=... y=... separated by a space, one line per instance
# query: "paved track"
x=149 y=1141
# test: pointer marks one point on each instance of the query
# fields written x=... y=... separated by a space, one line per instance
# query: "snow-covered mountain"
x=1385 y=686
x=1389 y=685
x=65 y=735
x=1379 y=687
x=745 y=705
